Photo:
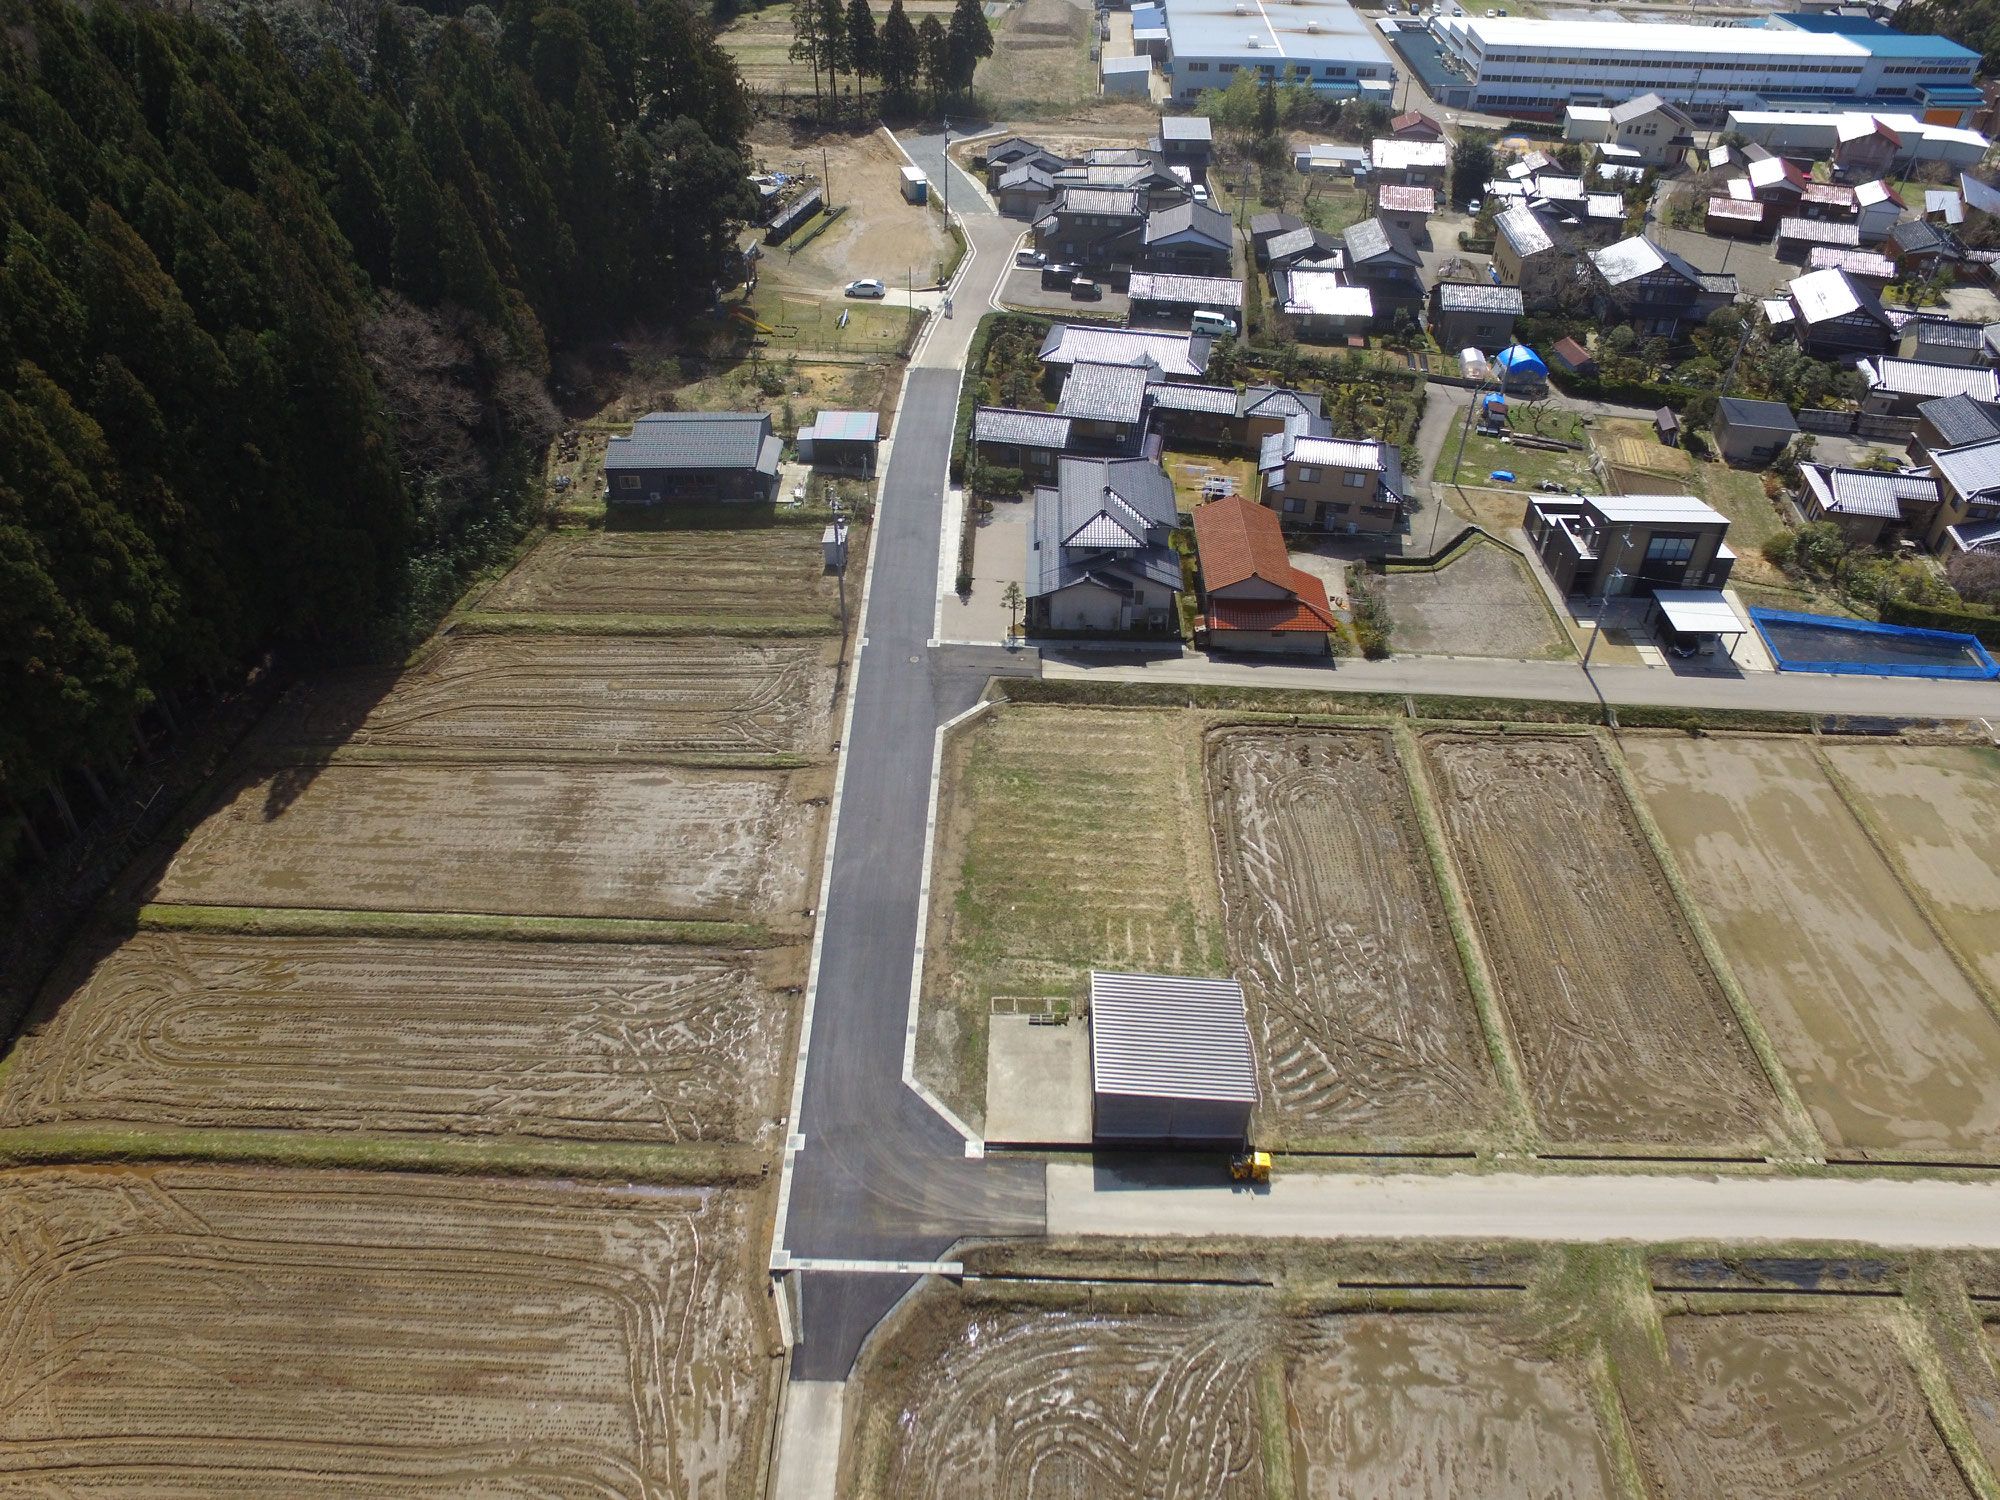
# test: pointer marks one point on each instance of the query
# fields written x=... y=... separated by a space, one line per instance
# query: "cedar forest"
x=277 y=311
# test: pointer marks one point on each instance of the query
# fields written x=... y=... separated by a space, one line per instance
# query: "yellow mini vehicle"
x=1251 y=1166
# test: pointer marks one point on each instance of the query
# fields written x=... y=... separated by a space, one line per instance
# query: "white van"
x=1214 y=324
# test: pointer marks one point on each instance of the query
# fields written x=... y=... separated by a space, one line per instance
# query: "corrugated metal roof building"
x=1170 y=1061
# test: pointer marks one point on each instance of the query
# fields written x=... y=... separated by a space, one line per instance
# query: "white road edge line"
x=877 y=1267
x=973 y=1144
x=794 y=1139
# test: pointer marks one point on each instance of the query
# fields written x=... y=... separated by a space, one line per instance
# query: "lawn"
x=1529 y=466
x=1190 y=469
x=1334 y=209
x=814 y=323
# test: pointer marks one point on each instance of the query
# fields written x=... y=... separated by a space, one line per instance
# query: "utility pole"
x=825 y=177
x=947 y=170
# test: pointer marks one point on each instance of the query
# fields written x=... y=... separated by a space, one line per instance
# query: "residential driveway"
x=1023 y=288
x=1000 y=557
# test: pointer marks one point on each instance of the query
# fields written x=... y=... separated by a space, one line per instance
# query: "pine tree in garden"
x=863 y=46
x=900 y=63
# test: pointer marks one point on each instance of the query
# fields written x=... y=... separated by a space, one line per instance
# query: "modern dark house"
x=1601 y=545
x=693 y=456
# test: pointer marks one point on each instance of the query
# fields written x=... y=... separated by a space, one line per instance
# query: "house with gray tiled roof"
x=1869 y=506
x=694 y=456
x=1005 y=437
x=1474 y=315
x=1099 y=556
x=1190 y=238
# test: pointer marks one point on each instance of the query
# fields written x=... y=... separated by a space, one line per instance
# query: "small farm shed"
x=841 y=440
x=1667 y=426
x=1170 y=1061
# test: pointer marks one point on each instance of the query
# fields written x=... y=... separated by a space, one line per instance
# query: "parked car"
x=1057 y=278
x=1200 y=192
x=1083 y=289
x=867 y=288
x=1214 y=324
x=1472 y=207
x=1028 y=259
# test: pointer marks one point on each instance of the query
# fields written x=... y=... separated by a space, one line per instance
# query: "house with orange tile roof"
x=1252 y=598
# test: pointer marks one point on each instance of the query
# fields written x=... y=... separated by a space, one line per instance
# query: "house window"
x=1295 y=507
x=1309 y=476
x=628 y=481
x=1354 y=481
x=1669 y=549
x=1197 y=67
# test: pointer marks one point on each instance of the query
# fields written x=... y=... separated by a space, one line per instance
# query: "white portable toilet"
x=916 y=186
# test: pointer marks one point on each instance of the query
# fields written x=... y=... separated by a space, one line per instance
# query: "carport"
x=1170 y=1061
x=1695 y=619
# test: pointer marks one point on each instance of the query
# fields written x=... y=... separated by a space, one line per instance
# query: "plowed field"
x=1624 y=1033
x=1939 y=808
x=561 y=841
x=1435 y=1407
x=611 y=695
x=1018 y=1403
x=1889 y=1045
x=983 y=1395
x=716 y=576
x=1360 y=1010
x=236 y=1332
x=569 y=1039
x=1775 y=1406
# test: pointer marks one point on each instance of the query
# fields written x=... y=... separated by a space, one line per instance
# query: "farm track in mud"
x=582 y=1041
x=231 y=1331
x=1624 y=1034
x=609 y=695
x=1365 y=1026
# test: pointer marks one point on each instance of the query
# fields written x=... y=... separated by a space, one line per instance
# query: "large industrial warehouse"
x=1824 y=62
x=1326 y=44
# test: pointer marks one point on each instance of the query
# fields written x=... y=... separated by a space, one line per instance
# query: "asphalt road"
x=880 y=1176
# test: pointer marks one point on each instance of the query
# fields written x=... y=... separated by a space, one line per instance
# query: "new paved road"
x=880 y=1176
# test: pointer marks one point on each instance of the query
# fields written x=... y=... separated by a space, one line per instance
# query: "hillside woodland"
x=277 y=308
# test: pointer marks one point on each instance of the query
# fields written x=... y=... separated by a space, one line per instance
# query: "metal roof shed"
x=1170 y=1061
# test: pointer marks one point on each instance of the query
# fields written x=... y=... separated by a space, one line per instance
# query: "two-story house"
x=1637 y=282
x=1380 y=257
x=1252 y=598
x=1411 y=161
x=1186 y=141
x=1093 y=227
x=1190 y=238
x=1331 y=484
x=1837 y=317
x=1100 y=559
x=1527 y=256
x=1474 y=315
x=1600 y=545
x=1106 y=407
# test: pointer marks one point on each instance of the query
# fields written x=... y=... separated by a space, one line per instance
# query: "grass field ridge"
x=494 y=622
x=506 y=1156
x=284 y=921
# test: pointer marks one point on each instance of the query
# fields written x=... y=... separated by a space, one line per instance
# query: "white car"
x=1200 y=191
x=868 y=288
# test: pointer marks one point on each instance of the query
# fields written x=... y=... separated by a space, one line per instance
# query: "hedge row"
x=1930 y=617
x=1696 y=407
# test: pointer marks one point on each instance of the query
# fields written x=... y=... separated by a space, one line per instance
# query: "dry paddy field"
x=592 y=1041
x=1892 y=1047
x=1624 y=1033
x=564 y=695
x=224 y=1331
x=999 y=1392
x=1365 y=1024
x=523 y=839
x=769 y=581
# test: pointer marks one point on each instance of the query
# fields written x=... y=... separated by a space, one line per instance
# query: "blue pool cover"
x=1825 y=643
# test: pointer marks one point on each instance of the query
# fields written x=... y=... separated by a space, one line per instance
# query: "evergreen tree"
x=395 y=62
x=971 y=40
x=806 y=41
x=1471 y=165
x=900 y=58
x=934 y=54
x=863 y=47
x=831 y=25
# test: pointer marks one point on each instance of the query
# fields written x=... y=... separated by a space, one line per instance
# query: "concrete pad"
x=1037 y=1083
x=809 y=1440
x=999 y=557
